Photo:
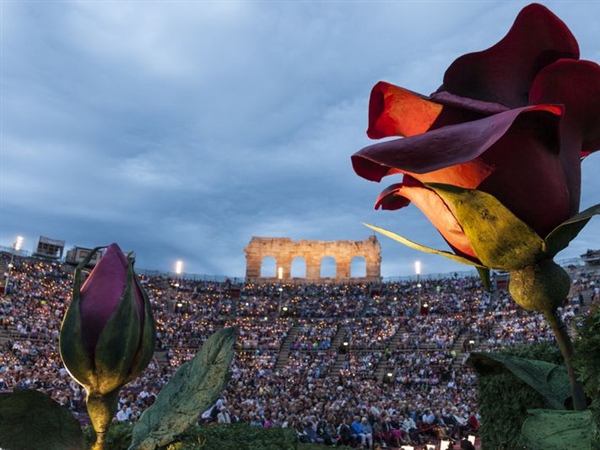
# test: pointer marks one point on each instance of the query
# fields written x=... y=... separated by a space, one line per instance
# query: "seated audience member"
x=358 y=430
x=368 y=431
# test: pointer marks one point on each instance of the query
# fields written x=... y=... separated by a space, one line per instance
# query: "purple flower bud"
x=107 y=336
x=101 y=293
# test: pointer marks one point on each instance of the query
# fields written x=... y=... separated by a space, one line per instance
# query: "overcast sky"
x=180 y=129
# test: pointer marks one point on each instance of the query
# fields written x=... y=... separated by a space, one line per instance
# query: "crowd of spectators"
x=315 y=357
x=374 y=333
x=315 y=334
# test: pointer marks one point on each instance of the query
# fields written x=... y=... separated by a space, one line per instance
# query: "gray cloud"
x=182 y=129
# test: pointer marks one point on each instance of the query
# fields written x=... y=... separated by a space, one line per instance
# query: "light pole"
x=418 y=273
x=178 y=272
x=16 y=247
x=279 y=277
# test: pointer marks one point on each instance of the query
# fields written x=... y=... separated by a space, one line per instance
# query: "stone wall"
x=284 y=250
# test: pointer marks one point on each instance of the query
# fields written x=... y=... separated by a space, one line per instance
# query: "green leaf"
x=72 y=349
x=484 y=275
x=411 y=244
x=563 y=234
x=192 y=390
x=500 y=240
x=73 y=353
x=118 y=342
x=557 y=430
x=148 y=343
x=549 y=380
x=30 y=419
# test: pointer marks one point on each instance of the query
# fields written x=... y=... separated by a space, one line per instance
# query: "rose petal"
x=391 y=199
x=529 y=176
x=432 y=205
x=395 y=111
x=440 y=148
x=575 y=84
x=514 y=156
x=101 y=293
x=478 y=106
x=504 y=72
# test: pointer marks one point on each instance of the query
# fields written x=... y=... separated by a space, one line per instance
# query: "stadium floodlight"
x=179 y=267
x=17 y=245
x=280 y=289
x=418 y=268
x=418 y=273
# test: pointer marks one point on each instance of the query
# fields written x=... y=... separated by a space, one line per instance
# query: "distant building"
x=310 y=256
x=78 y=254
x=591 y=257
x=501 y=280
x=49 y=248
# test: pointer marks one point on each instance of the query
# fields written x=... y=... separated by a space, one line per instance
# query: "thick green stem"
x=100 y=442
x=566 y=347
x=543 y=287
x=102 y=409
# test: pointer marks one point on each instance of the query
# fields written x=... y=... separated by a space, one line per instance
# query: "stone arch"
x=358 y=267
x=298 y=269
x=328 y=267
x=284 y=250
x=268 y=266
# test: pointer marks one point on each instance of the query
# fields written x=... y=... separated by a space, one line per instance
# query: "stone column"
x=313 y=267
x=342 y=267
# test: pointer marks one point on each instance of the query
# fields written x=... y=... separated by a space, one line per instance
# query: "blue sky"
x=181 y=129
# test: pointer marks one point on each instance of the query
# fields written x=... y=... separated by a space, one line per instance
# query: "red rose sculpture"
x=493 y=159
x=512 y=122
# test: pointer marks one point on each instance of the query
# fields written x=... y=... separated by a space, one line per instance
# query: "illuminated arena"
x=308 y=355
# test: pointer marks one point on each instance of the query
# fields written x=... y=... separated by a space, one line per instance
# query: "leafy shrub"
x=118 y=436
x=504 y=399
x=587 y=364
x=216 y=437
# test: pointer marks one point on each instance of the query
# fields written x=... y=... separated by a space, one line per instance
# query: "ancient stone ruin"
x=311 y=254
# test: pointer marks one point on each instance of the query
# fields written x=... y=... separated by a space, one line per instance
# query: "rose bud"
x=108 y=335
